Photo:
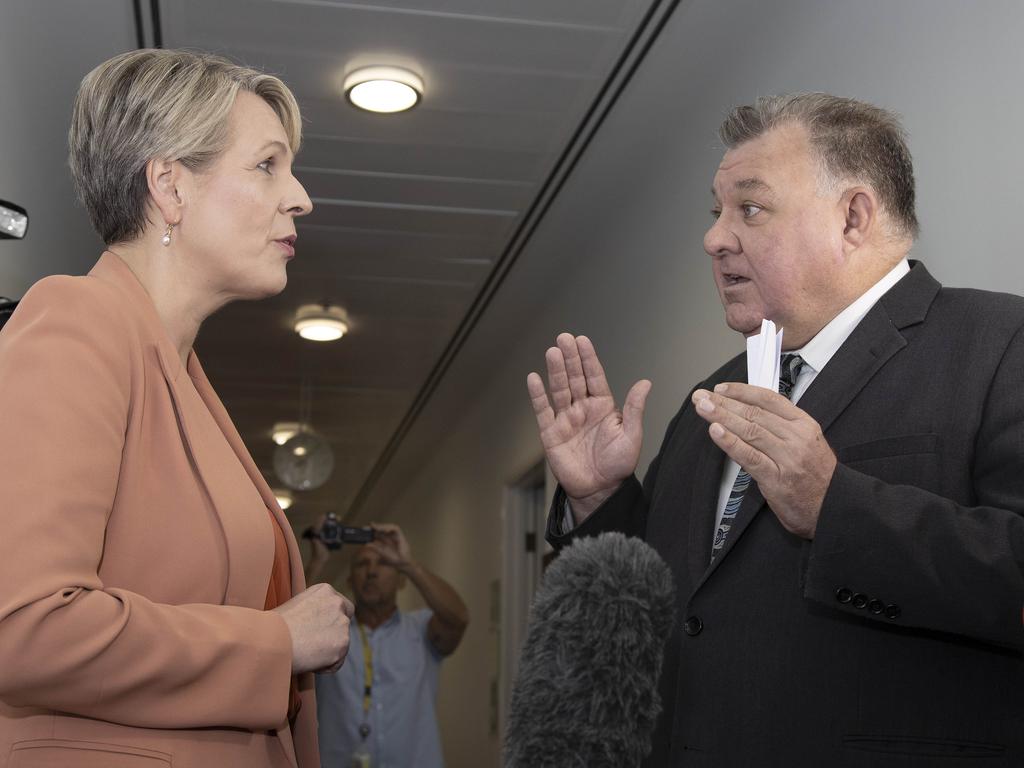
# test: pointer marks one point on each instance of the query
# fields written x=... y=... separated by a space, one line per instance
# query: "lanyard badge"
x=361 y=757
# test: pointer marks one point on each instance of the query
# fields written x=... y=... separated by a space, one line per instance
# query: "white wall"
x=619 y=256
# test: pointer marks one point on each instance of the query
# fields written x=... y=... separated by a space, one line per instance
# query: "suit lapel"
x=869 y=347
x=873 y=342
x=707 y=481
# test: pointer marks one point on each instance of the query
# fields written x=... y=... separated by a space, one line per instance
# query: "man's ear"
x=860 y=211
x=164 y=179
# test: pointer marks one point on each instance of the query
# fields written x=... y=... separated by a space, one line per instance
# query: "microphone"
x=587 y=690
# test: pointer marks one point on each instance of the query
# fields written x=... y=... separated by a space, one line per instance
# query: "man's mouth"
x=732 y=279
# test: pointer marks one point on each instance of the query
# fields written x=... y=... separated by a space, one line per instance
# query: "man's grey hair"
x=854 y=141
x=157 y=104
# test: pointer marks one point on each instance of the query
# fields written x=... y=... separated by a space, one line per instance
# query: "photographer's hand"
x=391 y=545
x=451 y=617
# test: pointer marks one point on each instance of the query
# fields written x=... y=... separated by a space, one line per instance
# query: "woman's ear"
x=164 y=178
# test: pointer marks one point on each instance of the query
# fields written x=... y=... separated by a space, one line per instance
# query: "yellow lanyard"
x=368 y=667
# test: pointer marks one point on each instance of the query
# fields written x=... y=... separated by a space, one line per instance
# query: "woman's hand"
x=318 y=620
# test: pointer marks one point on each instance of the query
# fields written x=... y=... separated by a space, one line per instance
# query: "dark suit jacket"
x=894 y=638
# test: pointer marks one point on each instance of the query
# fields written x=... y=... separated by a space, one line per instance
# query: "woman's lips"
x=288 y=245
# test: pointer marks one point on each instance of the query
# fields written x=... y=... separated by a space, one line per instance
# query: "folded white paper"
x=764 y=350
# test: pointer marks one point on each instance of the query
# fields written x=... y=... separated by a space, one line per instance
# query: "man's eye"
x=716 y=213
x=750 y=210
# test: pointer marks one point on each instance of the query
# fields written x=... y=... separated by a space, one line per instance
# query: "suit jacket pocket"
x=70 y=753
x=870 y=751
x=888 y=447
x=903 y=460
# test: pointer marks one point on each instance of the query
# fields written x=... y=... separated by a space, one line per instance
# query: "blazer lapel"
x=227 y=427
x=248 y=540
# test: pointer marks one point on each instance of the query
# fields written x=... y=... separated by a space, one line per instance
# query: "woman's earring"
x=166 y=239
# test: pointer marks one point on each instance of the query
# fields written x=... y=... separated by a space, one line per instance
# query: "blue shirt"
x=402 y=717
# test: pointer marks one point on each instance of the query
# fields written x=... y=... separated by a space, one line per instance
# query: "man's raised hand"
x=591 y=446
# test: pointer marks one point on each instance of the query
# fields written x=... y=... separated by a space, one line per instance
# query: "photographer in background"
x=378 y=709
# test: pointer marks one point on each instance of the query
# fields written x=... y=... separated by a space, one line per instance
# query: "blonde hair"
x=148 y=104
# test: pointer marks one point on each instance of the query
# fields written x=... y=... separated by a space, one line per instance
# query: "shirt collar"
x=819 y=350
x=393 y=619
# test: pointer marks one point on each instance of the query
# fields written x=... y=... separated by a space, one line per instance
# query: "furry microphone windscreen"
x=587 y=691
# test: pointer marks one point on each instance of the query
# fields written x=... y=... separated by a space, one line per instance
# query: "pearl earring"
x=166 y=239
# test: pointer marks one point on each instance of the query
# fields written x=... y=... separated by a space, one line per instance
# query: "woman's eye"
x=265 y=165
x=750 y=210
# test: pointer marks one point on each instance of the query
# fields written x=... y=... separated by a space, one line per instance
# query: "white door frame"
x=524 y=514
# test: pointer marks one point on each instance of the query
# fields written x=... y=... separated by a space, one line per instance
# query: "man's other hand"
x=778 y=444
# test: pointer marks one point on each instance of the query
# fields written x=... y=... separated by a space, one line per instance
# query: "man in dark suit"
x=848 y=553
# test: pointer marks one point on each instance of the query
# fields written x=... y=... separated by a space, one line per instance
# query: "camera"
x=334 y=534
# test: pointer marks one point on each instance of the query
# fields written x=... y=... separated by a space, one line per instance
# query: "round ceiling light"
x=383 y=89
x=321 y=322
x=284 y=498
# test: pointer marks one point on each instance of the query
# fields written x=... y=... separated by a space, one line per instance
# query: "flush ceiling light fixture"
x=284 y=498
x=383 y=89
x=321 y=322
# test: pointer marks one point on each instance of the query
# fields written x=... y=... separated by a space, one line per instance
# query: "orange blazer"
x=135 y=550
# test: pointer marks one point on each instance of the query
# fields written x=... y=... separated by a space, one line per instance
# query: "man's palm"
x=591 y=446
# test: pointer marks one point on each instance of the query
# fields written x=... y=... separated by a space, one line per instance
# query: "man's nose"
x=719 y=239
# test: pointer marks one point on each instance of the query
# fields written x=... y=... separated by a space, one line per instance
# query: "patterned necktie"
x=789 y=369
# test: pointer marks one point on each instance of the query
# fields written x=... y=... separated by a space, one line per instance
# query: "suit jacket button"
x=892 y=611
x=859 y=600
x=876 y=607
x=693 y=626
x=844 y=595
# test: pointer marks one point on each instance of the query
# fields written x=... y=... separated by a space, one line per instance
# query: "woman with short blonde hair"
x=154 y=610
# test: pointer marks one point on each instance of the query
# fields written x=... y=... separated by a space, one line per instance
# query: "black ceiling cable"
x=140 y=37
x=158 y=37
x=154 y=24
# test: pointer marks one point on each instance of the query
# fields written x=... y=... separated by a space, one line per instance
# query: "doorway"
x=524 y=551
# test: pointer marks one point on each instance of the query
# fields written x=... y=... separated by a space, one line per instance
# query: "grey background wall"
x=619 y=256
x=35 y=109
